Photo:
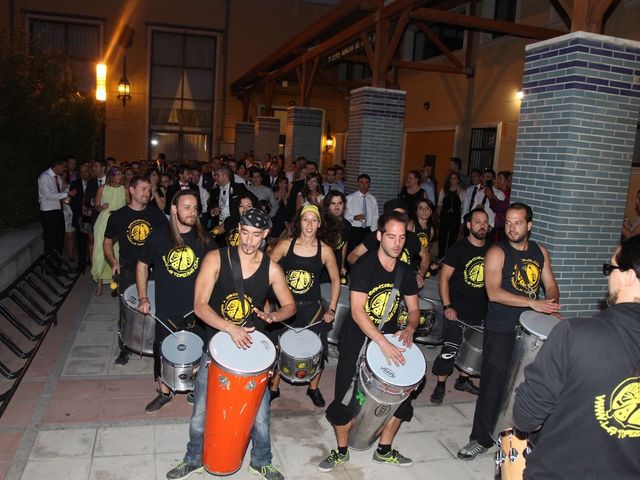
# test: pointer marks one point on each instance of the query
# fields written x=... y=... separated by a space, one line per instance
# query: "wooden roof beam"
x=485 y=24
x=425 y=67
x=438 y=43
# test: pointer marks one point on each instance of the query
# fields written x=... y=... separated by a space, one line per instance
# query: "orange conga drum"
x=237 y=380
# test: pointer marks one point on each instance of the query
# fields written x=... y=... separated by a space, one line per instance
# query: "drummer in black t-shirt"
x=176 y=251
x=130 y=226
x=338 y=229
x=372 y=279
x=461 y=285
x=413 y=253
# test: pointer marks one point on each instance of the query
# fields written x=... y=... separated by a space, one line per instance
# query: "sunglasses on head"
x=607 y=268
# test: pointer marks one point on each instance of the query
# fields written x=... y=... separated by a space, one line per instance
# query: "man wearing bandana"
x=214 y=287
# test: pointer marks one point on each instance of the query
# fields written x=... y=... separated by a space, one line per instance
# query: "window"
x=451 y=36
x=80 y=40
x=504 y=10
x=482 y=149
x=181 y=101
x=353 y=71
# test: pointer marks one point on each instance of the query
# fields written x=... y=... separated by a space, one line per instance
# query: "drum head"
x=130 y=296
x=403 y=376
x=538 y=324
x=426 y=304
x=257 y=358
x=182 y=347
x=325 y=294
x=302 y=344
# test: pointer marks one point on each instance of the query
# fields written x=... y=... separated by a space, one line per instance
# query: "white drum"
x=300 y=355
x=259 y=357
x=180 y=354
x=380 y=390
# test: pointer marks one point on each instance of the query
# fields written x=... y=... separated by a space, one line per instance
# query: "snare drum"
x=137 y=331
x=427 y=317
x=300 y=355
x=180 y=354
x=532 y=331
x=469 y=358
x=237 y=380
x=380 y=390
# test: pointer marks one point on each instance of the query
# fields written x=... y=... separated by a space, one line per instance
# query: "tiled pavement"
x=78 y=416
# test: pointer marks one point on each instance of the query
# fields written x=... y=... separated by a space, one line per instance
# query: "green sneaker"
x=394 y=457
x=183 y=470
x=268 y=472
x=333 y=460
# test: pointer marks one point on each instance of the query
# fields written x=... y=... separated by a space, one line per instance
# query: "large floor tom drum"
x=381 y=388
x=137 y=331
x=237 y=380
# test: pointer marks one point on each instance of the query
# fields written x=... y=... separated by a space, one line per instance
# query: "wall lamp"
x=328 y=144
x=101 y=82
x=124 y=87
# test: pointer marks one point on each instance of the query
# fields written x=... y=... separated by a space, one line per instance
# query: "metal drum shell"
x=469 y=357
x=137 y=331
x=291 y=366
x=180 y=376
x=343 y=310
x=430 y=292
x=427 y=317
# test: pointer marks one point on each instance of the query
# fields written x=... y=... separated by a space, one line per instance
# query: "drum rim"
x=191 y=335
x=529 y=330
x=366 y=360
x=176 y=365
x=243 y=374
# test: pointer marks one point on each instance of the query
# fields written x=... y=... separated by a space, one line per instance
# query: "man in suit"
x=81 y=215
x=183 y=172
x=224 y=198
x=99 y=170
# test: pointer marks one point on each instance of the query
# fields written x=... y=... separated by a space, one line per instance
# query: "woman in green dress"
x=109 y=198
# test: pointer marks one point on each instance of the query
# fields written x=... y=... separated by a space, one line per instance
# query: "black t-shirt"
x=466 y=286
x=368 y=276
x=131 y=228
x=584 y=388
x=410 y=254
x=176 y=269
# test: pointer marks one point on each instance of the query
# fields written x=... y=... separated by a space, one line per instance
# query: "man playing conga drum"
x=372 y=280
x=583 y=387
x=215 y=295
x=176 y=252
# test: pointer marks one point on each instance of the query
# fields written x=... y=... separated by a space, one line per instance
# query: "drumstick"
x=472 y=327
x=162 y=323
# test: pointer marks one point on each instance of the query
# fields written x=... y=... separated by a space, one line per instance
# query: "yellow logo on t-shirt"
x=233 y=240
x=233 y=310
x=376 y=303
x=181 y=261
x=138 y=231
x=620 y=415
x=530 y=282
x=474 y=272
x=405 y=256
x=340 y=243
x=424 y=240
x=299 y=281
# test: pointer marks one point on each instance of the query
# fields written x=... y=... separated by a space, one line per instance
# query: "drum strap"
x=346 y=400
x=236 y=270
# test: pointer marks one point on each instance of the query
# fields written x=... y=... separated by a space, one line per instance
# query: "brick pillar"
x=576 y=134
x=304 y=133
x=244 y=139
x=266 y=136
x=374 y=142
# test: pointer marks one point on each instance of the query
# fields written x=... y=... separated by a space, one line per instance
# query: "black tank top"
x=521 y=275
x=225 y=300
x=303 y=274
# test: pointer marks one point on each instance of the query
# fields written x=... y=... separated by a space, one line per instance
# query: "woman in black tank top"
x=303 y=258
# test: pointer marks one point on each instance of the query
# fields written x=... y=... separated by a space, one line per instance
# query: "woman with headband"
x=303 y=257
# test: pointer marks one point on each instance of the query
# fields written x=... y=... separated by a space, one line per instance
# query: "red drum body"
x=237 y=380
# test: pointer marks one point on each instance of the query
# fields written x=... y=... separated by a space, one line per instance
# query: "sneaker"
x=466 y=385
x=190 y=398
x=274 y=394
x=316 y=397
x=471 y=450
x=333 y=460
x=268 y=472
x=394 y=457
x=157 y=403
x=123 y=358
x=438 y=395
x=183 y=470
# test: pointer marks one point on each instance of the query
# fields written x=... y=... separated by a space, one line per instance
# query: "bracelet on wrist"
x=447 y=307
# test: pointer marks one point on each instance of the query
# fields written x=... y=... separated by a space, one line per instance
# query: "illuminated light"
x=101 y=82
x=154 y=142
x=520 y=94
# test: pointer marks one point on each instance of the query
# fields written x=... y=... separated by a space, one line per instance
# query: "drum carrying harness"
x=346 y=400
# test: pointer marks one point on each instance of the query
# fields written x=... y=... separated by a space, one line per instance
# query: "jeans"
x=497 y=349
x=260 y=437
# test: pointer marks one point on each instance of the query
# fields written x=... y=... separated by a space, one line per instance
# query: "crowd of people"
x=246 y=245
